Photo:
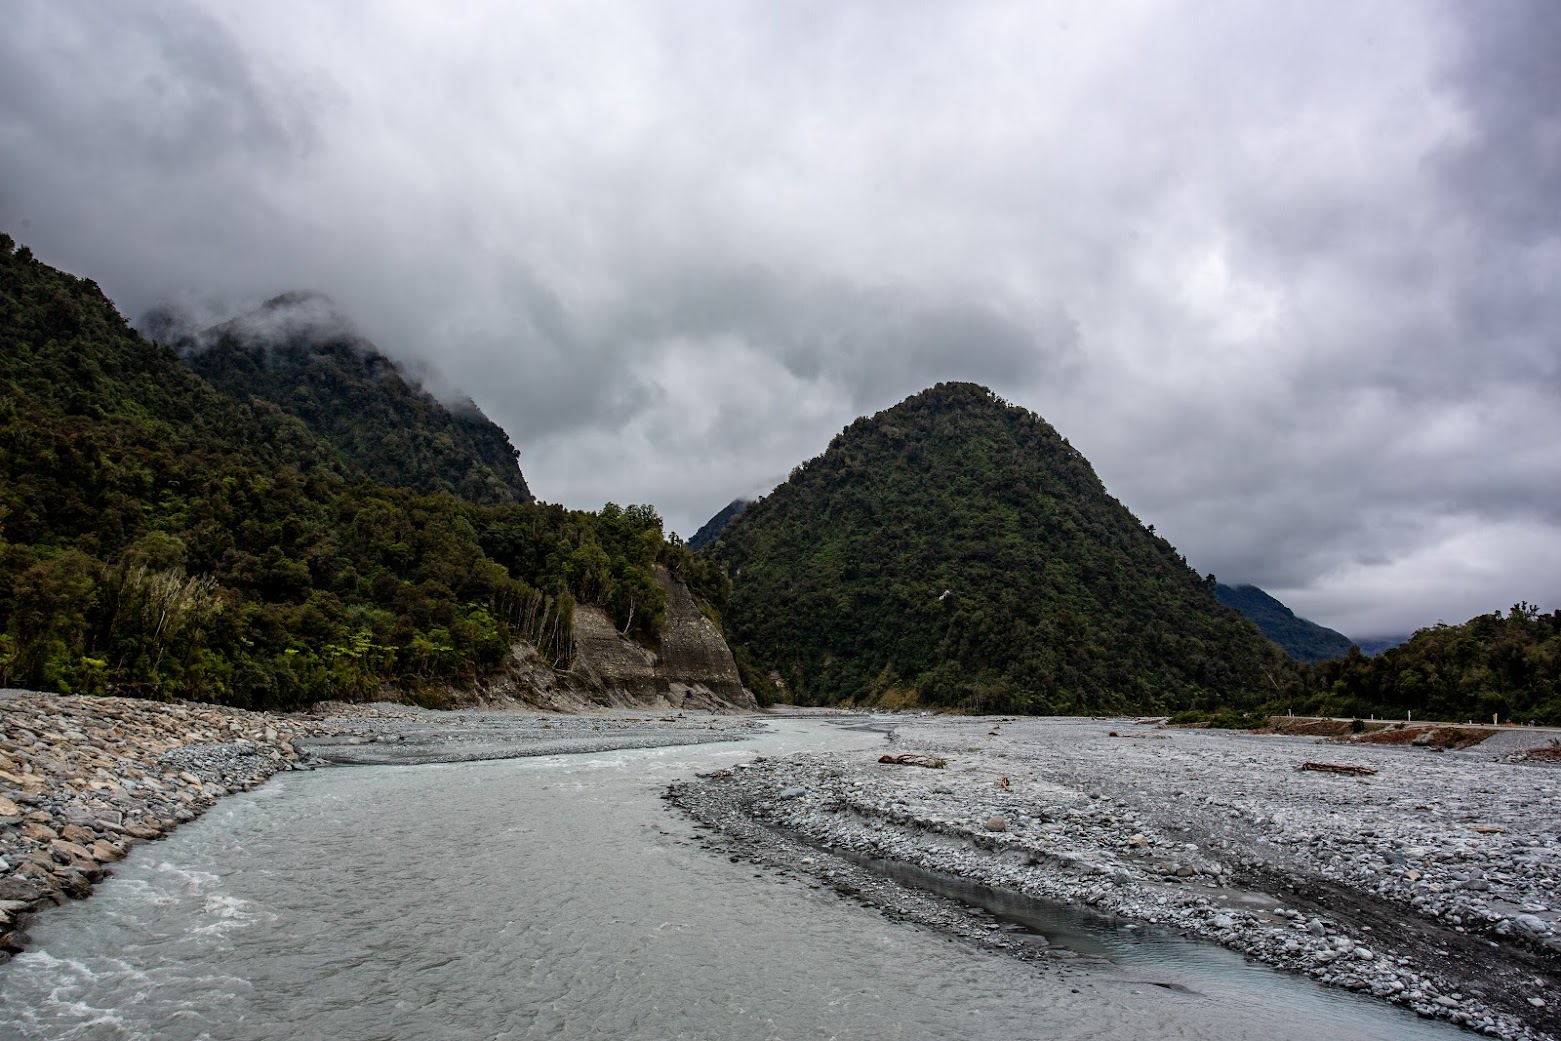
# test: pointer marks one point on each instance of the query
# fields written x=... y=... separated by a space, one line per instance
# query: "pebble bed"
x=1432 y=883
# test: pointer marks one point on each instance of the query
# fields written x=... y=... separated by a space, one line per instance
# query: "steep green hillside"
x=958 y=546
x=105 y=434
x=1301 y=639
x=160 y=538
x=298 y=354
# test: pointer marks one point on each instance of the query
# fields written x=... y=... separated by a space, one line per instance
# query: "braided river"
x=559 y=897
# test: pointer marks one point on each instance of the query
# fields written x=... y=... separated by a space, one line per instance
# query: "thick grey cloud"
x=1505 y=166
x=1286 y=277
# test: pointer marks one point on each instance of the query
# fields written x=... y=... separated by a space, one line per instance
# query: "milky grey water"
x=560 y=898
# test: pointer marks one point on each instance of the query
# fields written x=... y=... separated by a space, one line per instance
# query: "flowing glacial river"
x=559 y=897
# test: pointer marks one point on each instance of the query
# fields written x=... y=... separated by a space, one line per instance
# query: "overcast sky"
x=1288 y=275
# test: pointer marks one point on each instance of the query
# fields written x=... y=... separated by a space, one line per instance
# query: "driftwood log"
x=1338 y=768
x=932 y=762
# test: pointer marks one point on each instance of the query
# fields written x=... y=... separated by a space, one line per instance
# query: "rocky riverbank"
x=1429 y=880
x=84 y=780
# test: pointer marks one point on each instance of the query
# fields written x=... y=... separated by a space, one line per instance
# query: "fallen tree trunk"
x=1338 y=768
x=932 y=762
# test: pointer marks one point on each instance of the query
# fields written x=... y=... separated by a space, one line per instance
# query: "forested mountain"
x=956 y=547
x=1509 y=666
x=297 y=353
x=162 y=538
x=158 y=537
x=712 y=528
x=1301 y=639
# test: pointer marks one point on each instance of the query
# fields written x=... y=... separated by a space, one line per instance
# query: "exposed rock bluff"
x=694 y=668
x=691 y=669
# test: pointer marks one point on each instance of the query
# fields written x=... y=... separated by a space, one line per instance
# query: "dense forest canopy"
x=1507 y=666
x=161 y=538
x=957 y=547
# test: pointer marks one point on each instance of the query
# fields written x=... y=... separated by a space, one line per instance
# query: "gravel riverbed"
x=1432 y=882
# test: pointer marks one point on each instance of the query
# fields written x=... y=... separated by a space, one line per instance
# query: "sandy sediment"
x=83 y=780
x=1429 y=879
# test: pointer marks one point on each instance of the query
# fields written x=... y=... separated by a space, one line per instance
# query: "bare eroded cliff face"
x=693 y=669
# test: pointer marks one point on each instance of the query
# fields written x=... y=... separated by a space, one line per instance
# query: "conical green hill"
x=958 y=548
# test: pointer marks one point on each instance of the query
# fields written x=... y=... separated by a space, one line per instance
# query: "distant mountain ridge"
x=1378 y=644
x=298 y=353
x=1303 y=640
x=955 y=550
x=712 y=528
